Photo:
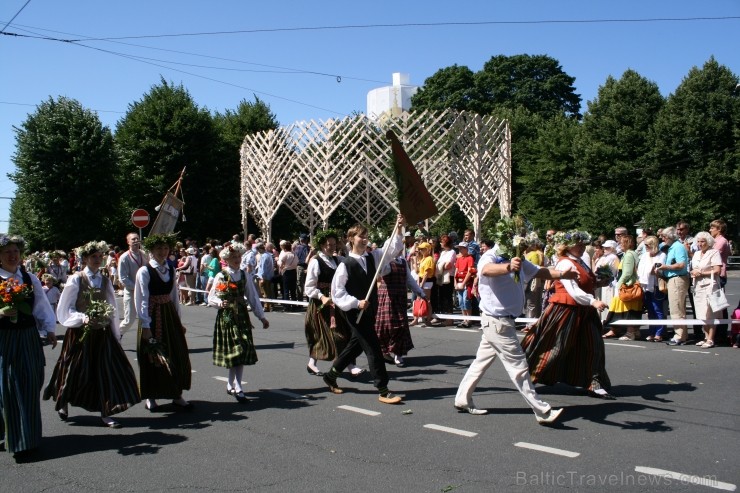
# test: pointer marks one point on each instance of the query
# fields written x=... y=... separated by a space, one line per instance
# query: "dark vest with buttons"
x=157 y=286
x=358 y=284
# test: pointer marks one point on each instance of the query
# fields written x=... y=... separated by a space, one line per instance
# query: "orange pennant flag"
x=414 y=200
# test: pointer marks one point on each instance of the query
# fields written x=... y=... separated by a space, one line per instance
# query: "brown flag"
x=414 y=200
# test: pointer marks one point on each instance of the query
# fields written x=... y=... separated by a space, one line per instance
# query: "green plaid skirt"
x=232 y=337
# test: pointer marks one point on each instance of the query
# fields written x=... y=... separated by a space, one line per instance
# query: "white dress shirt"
x=311 y=289
x=67 y=313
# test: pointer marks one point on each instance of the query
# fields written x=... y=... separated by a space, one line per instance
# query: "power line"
x=16 y=15
x=418 y=24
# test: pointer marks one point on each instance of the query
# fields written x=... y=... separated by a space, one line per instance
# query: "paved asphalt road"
x=674 y=427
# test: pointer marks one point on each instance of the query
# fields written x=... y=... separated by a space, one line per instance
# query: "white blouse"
x=311 y=289
x=571 y=285
x=42 y=312
x=250 y=291
x=67 y=313
x=141 y=291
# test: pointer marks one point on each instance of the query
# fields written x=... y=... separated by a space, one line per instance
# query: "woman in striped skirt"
x=565 y=344
x=161 y=348
x=21 y=354
x=233 y=346
x=92 y=371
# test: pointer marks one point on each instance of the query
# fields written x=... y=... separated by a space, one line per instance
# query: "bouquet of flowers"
x=228 y=290
x=510 y=235
x=15 y=295
x=99 y=313
x=604 y=272
x=154 y=350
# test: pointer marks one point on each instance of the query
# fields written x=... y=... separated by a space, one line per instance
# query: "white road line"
x=687 y=478
x=691 y=351
x=465 y=330
x=625 y=345
x=359 y=410
x=454 y=431
x=549 y=450
x=224 y=379
x=288 y=394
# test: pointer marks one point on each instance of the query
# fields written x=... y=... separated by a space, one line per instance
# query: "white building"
x=391 y=100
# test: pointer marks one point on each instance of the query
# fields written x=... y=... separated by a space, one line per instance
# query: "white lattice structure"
x=313 y=168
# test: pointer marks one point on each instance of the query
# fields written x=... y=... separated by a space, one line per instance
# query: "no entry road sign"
x=140 y=218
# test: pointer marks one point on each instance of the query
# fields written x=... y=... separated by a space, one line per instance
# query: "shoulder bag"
x=717 y=299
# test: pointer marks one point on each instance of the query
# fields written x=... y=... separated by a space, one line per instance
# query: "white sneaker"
x=549 y=418
x=471 y=410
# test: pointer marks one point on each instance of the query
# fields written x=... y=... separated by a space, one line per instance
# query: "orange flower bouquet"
x=15 y=295
x=228 y=290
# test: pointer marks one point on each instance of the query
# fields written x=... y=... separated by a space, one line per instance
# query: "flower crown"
x=320 y=237
x=169 y=239
x=91 y=247
x=571 y=237
x=5 y=240
x=230 y=249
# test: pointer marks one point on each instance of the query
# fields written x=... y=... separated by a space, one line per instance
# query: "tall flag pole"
x=415 y=202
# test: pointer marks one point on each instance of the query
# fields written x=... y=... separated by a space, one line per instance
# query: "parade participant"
x=92 y=371
x=161 y=349
x=56 y=268
x=129 y=263
x=565 y=344
x=502 y=299
x=350 y=285
x=392 y=322
x=233 y=346
x=21 y=354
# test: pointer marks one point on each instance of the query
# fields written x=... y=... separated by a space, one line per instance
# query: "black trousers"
x=363 y=340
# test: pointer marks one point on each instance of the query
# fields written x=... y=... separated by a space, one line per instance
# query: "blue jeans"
x=654 y=305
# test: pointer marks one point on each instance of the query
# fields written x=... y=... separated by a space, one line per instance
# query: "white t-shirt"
x=501 y=296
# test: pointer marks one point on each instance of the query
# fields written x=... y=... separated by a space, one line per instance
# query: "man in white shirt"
x=501 y=301
x=349 y=287
x=128 y=265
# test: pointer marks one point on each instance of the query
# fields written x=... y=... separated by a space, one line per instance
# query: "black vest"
x=156 y=285
x=359 y=281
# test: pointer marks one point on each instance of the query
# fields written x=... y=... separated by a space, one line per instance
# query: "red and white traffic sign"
x=140 y=218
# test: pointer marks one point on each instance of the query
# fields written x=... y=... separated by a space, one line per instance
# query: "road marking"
x=549 y=450
x=691 y=351
x=466 y=330
x=454 y=431
x=625 y=345
x=224 y=379
x=288 y=394
x=359 y=410
x=687 y=478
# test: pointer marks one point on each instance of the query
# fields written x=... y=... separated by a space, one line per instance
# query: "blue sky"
x=295 y=70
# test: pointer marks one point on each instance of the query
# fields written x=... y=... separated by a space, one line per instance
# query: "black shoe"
x=606 y=397
x=332 y=383
x=241 y=397
x=63 y=416
x=316 y=373
x=152 y=409
x=183 y=407
x=112 y=424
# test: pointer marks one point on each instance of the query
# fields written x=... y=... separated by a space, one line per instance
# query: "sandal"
x=657 y=339
x=626 y=338
x=708 y=345
x=609 y=335
x=650 y=338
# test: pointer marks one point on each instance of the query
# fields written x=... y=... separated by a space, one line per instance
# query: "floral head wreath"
x=6 y=240
x=230 y=249
x=320 y=237
x=571 y=238
x=152 y=241
x=92 y=247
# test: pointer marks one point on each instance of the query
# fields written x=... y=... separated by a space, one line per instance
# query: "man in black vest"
x=350 y=285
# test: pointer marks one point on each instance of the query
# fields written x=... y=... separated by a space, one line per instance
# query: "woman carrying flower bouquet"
x=23 y=309
x=92 y=371
x=161 y=349
x=565 y=344
x=233 y=346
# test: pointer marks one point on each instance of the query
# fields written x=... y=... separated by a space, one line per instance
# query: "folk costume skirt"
x=94 y=374
x=21 y=378
x=391 y=322
x=156 y=380
x=232 y=337
x=327 y=332
x=565 y=345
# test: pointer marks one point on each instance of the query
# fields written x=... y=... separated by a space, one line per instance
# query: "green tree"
x=66 y=194
x=160 y=135
x=449 y=88
x=696 y=141
x=613 y=147
x=535 y=82
x=232 y=127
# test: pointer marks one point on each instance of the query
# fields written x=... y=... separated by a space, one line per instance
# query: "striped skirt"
x=232 y=337
x=21 y=378
x=325 y=340
x=156 y=381
x=565 y=345
x=94 y=375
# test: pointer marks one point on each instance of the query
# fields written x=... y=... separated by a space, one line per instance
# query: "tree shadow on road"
x=651 y=391
x=601 y=412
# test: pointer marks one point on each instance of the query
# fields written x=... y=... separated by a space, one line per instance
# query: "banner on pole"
x=414 y=200
x=169 y=213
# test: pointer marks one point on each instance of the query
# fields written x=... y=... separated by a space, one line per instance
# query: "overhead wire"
x=16 y=15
